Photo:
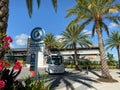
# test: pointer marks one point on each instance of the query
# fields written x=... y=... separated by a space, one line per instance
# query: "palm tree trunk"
x=49 y=50
x=4 y=9
x=104 y=66
x=75 y=56
x=118 y=50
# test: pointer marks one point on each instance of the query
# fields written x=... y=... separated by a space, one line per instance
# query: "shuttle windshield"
x=57 y=60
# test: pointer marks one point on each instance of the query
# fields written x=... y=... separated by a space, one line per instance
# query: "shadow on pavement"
x=95 y=73
x=68 y=79
x=118 y=72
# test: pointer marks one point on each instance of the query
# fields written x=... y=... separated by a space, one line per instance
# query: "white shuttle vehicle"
x=54 y=64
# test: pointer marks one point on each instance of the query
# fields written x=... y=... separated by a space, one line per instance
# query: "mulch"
x=107 y=80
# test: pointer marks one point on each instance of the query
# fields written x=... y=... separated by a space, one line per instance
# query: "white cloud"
x=21 y=40
x=112 y=25
x=58 y=37
x=87 y=32
x=11 y=45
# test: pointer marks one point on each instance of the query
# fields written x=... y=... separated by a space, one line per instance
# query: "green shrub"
x=90 y=64
x=32 y=84
x=112 y=67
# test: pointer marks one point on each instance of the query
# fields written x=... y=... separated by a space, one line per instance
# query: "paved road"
x=70 y=80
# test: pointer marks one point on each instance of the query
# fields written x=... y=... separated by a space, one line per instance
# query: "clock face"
x=37 y=34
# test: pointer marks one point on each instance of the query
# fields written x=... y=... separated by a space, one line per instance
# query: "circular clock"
x=37 y=34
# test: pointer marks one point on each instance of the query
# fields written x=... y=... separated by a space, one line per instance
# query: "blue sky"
x=20 y=25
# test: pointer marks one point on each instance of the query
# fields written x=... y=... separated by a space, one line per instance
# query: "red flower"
x=1 y=67
x=3 y=64
x=17 y=66
x=2 y=84
x=6 y=45
x=7 y=39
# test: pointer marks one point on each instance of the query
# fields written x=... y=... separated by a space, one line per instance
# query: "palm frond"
x=118 y=6
x=113 y=40
x=93 y=30
x=29 y=6
x=49 y=40
x=115 y=19
x=85 y=23
x=54 y=2
x=70 y=37
x=71 y=12
x=112 y=8
x=38 y=2
x=105 y=27
x=75 y=21
x=110 y=47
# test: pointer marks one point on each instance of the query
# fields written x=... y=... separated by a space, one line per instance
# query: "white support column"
x=40 y=59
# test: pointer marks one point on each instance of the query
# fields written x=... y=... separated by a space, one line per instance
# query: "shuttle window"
x=57 y=60
x=49 y=60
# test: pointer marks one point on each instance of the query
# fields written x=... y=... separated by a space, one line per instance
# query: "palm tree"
x=96 y=12
x=4 y=13
x=113 y=41
x=50 y=42
x=3 y=22
x=71 y=39
x=111 y=60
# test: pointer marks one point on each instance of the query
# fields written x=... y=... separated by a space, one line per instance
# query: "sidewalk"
x=96 y=85
x=108 y=86
x=76 y=80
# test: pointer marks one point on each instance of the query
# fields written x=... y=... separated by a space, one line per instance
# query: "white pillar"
x=40 y=59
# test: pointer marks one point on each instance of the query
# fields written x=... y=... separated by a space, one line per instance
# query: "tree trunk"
x=118 y=50
x=104 y=66
x=75 y=56
x=4 y=9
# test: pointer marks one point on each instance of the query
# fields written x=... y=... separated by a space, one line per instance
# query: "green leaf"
x=29 y=6
x=54 y=2
x=38 y=2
